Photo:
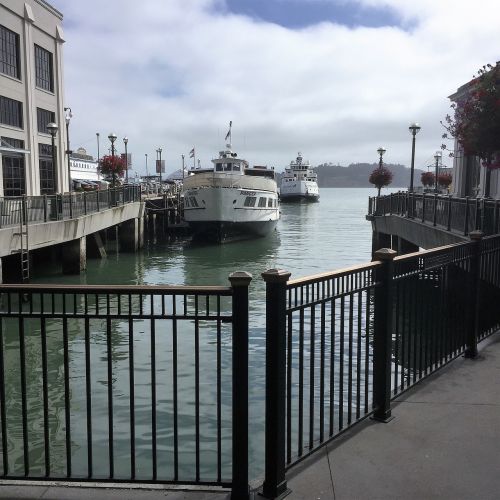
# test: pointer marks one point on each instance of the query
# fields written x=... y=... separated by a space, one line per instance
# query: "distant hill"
x=356 y=175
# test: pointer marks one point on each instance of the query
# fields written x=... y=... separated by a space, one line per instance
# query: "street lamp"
x=182 y=167
x=381 y=152
x=147 y=173
x=112 y=139
x=125 y=141
x=414 y=129
x=69 y=115
x=437 y=157
x=158 y=151
x=53 y=128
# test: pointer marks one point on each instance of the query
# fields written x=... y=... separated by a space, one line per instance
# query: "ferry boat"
x=231 y=200
x=299 y=182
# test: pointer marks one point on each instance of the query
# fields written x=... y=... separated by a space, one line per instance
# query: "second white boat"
x=299 y=182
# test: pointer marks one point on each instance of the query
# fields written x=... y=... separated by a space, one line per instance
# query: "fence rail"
x=46 y=208
x=460 y=215
x=342 y=345
x=339 y=347
x=121 y=354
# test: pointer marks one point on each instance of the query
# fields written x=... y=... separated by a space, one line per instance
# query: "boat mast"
x=228 y=135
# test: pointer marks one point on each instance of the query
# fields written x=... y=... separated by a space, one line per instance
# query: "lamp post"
x=182 y=167
x=158 y=151
x=53 y=128
x=112 y=139
x=69 y=115
x=98 y=159
x=414 y=129
x=381 y=152
x=147 y=173
x=125 y=142
x=437 y=157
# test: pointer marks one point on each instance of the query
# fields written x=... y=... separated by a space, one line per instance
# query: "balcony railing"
x=54 y=207
x=460 y=215
x=150 y=383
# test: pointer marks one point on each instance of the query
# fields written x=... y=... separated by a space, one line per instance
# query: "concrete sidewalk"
x=444 y=443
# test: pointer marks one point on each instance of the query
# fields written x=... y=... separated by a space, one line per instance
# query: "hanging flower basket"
x=112 y=167
x=380 y=178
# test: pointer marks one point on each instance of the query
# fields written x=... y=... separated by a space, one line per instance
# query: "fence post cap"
x=385 y=254
x=240 y=278
x=476 y=235
x=276 y=276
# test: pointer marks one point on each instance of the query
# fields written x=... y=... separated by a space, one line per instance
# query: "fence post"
x=239 y=283
x=70 y=205
x=466 y=218
x=475 y=294
x=274 y=479
x=382 y=335
x=448 y=224
x=423 y=207
x=434 y=215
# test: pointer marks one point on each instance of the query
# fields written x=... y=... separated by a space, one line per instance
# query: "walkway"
x=443 y=443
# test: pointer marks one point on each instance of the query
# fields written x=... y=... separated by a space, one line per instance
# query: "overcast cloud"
x=172 y=73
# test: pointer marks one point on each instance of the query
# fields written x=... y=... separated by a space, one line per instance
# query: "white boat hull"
x=299 y=190
x=221 y=214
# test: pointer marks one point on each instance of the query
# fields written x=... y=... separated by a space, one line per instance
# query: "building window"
x=44 y=69
x=11 y=112
x=9 y=53
x=44 y=117
x=13 y=169
x=47 y=170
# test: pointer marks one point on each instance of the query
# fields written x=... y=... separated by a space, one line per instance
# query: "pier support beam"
x=380 y=240
x=95 y=246
x=405 y=246
x=140 y=231
x=74 y=256
x=128 y=233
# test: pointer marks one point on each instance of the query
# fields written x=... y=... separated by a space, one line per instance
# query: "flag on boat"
x=229 y=131
x=191 y=153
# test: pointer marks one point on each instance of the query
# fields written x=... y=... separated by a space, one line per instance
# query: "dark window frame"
x=47 y=169
x=11 y=112
x=44 y=69
x=43 y=118
x=10 y=55
x=13 y=169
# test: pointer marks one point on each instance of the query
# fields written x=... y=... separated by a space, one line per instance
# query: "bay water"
x=310 y=238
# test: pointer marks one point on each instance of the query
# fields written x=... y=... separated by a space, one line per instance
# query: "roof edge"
x=51 y=9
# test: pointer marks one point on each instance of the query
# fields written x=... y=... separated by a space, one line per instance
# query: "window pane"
x=9 y=53
x=11 y=112
x=44 y=117
x=43 y=69
x=47 y=173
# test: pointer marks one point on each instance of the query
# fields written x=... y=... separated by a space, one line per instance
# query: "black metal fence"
x=129 y=357
x=461 y=215
x=46 y=208
x=339 y=347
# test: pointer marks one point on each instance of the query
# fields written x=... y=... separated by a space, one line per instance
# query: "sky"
x=333 y=79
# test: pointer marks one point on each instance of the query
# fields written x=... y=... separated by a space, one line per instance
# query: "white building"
x=31 y=96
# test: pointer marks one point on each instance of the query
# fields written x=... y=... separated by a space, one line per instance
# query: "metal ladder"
x=24 y=241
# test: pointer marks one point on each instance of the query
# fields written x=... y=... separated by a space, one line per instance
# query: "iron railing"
x=73 y=357
x=339 y=347
x=46 y=208
x=342 y=345
x=460 y=215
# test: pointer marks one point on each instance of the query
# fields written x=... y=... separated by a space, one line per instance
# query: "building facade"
x=469 y=177
x=31 y=96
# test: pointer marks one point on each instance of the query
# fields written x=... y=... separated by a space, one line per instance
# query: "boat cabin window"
x=186 y=202
x=250 y=201
x=218 y=167
x=193 y=202
x=262 y=202
x=270 y=202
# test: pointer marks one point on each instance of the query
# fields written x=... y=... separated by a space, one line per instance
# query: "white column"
x=62 y=161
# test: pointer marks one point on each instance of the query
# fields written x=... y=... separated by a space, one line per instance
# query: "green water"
x=310 y=238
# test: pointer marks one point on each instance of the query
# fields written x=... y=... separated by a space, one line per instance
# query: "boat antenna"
x=228 y=135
